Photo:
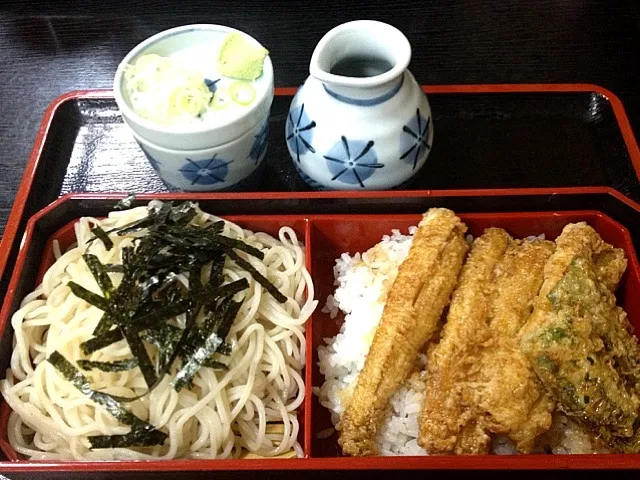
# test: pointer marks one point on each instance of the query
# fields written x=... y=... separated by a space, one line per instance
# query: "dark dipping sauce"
x=361 y=66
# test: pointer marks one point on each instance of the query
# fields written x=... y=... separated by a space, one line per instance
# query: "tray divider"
x=308 y=334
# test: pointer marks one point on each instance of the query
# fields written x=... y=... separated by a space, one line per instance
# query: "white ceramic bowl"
x=229 y=166
x=198 y=45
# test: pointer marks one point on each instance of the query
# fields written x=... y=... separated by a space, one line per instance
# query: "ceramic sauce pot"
x=360 y=121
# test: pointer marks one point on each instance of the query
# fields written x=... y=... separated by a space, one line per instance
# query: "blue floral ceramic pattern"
x=299 y=132
x=259 y=143
x=414 y=141
x=352 y=161
x=205 y=172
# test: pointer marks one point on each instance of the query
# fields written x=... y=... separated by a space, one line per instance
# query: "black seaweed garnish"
x=139 y=352
x=115 y=366
x=165 y=338
x=204 y=342
x=258 y=277
x=224 y=349
x=139 y=323
x=126 y=202
x=141 y=434
x=168 y=326
x=144 y=436
x=88 y=296
x=102 y=235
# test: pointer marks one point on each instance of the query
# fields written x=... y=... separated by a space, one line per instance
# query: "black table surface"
x=51 y=47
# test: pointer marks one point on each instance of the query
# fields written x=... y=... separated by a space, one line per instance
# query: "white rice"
x=363 y=282
x=362 y=285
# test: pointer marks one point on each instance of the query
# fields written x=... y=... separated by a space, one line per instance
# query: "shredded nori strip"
x=113 y=268
x=126 y=202
x=239 y=245
x=144 y=436
x=115 y=366
x=88 y=296
x=142 y=433
x=269 y=287
x=139 y=351
x=102 y=235
x=224 y=349
x=138 y=324
x=165 y=338
x=150 y=294
x=229 y=289
x=209 y=295
x=99 y=272
x=212 y=334
x=121 y=304
x=190 y=367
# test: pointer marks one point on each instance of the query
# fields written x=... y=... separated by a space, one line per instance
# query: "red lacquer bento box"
x=326 y=236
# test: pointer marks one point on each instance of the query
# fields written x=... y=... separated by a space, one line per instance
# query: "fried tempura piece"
x=505 y=393
x=444 y=414
x=580 y=343
x=415 y=303
x=479 y=382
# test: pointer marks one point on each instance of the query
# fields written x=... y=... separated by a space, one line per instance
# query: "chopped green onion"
x=242 y=92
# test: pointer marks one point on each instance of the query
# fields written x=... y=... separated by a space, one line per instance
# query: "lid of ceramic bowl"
x=237 y=105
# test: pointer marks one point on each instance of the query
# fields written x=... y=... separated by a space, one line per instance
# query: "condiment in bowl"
x=194 y=87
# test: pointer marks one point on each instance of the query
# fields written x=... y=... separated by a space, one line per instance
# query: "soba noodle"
x=250 y=407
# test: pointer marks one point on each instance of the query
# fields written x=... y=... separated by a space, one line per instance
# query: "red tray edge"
x=511 y=462
x=18 y=207
x=505 y=462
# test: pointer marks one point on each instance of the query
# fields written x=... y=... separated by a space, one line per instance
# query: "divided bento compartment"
x=333 y=235
x=37 y=256
x=326 y=237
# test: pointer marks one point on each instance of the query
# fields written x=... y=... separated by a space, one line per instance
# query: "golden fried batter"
x=506 y=393
x=479 y=382
x=416 y=300
x=443 y=414
x=580 y=343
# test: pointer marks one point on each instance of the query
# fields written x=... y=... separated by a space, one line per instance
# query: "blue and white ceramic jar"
x=360 y=121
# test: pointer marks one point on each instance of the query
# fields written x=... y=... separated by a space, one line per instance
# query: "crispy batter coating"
x=506 y=393
x=415 y=303
x=580 y=343
x=443 y=414
x=479 y=382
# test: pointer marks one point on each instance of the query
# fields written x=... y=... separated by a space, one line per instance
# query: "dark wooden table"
x=50 y=47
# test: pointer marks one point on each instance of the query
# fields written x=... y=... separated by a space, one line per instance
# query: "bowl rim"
x=147 y=124
x=174 y=151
